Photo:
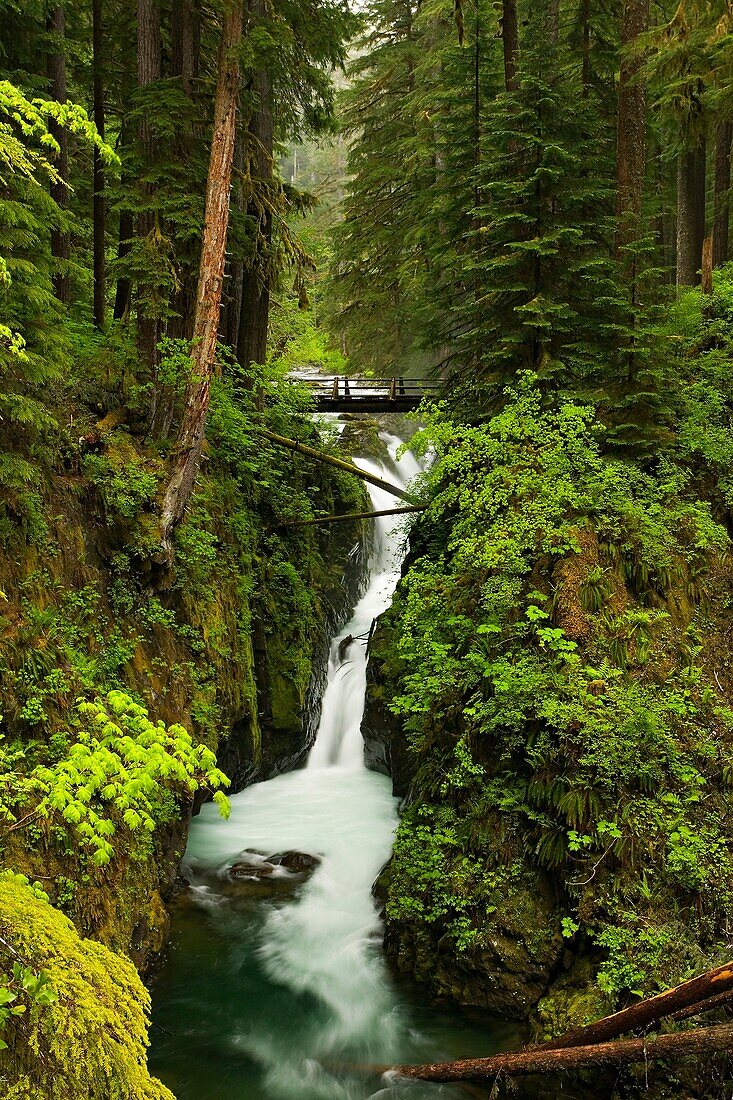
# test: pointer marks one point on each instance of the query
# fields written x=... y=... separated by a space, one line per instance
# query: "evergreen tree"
x=371 y=294
x=35 y=348
x=549 y=296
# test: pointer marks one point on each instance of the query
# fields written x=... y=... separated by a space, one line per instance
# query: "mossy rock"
x=508 y=967
x=91 y=1041
x=573 y=1000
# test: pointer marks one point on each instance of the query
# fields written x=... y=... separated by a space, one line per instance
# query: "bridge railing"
x=342 y=387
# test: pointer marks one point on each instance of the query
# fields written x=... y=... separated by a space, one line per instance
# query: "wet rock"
x=385 y=744
x=297 y=862
x=506 y=970
x=250 y=870
x=259 y=874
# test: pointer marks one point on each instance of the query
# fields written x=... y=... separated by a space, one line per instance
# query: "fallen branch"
x=649 y=1011
x=339 y=463
x=353 y=515
x=720 y=1000
x=680 y=1044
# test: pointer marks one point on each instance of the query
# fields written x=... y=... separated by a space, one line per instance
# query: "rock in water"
x=297 y=862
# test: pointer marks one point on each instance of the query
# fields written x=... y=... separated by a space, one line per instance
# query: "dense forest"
x=210 y=210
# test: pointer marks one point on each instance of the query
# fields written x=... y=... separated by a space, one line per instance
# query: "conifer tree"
x=549 y=297
x=371 y=294
x=60 y=241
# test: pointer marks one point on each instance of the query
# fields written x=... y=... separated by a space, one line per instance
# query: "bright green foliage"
x=118 y=771
x=26 y=142
x=84 y=1032
x=701 y=346
x=587 y=744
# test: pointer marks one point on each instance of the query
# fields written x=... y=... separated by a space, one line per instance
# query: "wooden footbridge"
x=339 y=393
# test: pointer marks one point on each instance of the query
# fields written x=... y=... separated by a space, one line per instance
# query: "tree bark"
x=148 y=71
x=510 y=41
x=185 y=42
x=124 y=287
x=235 y=279
x=553 y=22
x=585 y=68
x=680 y=1044
x=706 y=276
x=631 y=139
x=721 y=193
x=60 y=240
x=185 y=33
x=211 y=272
x=99 y=212
x=690 y=214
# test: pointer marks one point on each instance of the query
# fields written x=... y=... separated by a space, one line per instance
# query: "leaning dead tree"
x=211 y=274
x=350 y=517
x=339 y=463
x=597 y=1044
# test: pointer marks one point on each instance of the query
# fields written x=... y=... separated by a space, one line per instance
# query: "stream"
x=275 y=983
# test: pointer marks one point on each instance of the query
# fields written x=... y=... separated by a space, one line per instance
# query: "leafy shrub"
x=118 y=771
x=559 y=720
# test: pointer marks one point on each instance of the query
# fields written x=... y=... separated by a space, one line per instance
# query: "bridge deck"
x=338 y=393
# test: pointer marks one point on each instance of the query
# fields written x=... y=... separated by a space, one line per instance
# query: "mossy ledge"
x=551 y=692
x=91 y=1041
x=231 y=643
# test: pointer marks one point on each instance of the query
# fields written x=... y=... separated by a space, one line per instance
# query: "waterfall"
x=270 y=990
x=339 y=741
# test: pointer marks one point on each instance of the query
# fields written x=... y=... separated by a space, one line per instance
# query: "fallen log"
x=649 y=1011
x=679 y=1044
x=720 y=1000
x=352 y=516
x=339 y=463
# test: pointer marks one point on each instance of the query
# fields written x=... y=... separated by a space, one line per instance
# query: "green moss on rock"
x=91 y=1041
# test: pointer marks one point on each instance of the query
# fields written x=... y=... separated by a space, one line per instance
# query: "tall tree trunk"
x=585 y=70
x=124 y=287
x=255 y=308
x=664 y=219
x=148 y=71
x=631 y=160
x=185 y=37
x=553 y=21
x=99 y=213
x=235 y=281
x=631 y=138
x=510 y=40
x=721 y=196
x=211 y=272
x=56 y=68
x=690 y=214
x=185 y=42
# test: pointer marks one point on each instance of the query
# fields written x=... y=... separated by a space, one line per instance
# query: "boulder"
x=296 y=862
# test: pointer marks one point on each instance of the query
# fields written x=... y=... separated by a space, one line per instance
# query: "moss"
x=573 y=1001
x=91 y=1041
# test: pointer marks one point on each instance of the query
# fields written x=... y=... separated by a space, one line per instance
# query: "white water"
x=324 y=944
x=268 y=995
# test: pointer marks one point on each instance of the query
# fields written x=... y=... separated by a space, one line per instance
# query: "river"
x=271 y=992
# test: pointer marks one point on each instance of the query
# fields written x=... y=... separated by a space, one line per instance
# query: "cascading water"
x=267 y=991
